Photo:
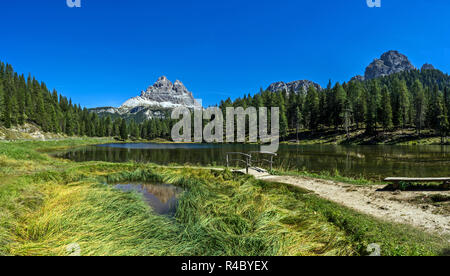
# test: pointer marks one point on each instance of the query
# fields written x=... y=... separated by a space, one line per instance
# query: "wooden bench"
x=397 y=180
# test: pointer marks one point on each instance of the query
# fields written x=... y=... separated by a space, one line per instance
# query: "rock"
x=427 y=66
x=163 y=93
x=358 y=78
x=27 y=131
x=390 y=63
x=300 y=86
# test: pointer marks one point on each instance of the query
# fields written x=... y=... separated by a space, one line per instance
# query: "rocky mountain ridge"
x=154 y=102
x=389 y=63
x=300 y=86
x=163 y=93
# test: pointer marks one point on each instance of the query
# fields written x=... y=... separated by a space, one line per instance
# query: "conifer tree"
x=38 y=115
x=404 y=104
x=447 y=100
x=371 y=108
x=123 y=130
x=2 y=96
x=386 y=109
x=312 y=108
x=419 y=105
x=433 y=109
x=21 y=100
x=357 y=101
x=108 y=126
x=395 y=102
x=443 y=122
x=298 y=120
x=6 y=116
x=340 y=99
x=69 y=128
x=14 y=108
x=283 y=118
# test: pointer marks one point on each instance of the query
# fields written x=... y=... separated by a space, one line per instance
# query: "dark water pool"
x=162 y=198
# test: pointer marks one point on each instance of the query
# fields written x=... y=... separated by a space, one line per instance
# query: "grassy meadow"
x=47 y=204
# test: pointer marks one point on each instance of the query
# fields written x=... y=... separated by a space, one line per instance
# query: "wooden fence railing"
x=248 y=159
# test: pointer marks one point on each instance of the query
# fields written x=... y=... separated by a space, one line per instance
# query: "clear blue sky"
x=108 y=51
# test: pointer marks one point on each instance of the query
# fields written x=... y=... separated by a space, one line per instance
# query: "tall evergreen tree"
x=6 y=115
x=443 y=122
x=404 y=104
x=386 y=109
x=123 y=130
x=298 y=120
x=312 y=108
x=14 y=108
x=419 y=105
x=39 y=116
x=283 y=116
x=372 y=107
x=2 y=96
x=340 y=100
x=358 y=102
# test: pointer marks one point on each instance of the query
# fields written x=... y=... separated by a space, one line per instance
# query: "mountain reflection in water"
x=371 y=162
x=161 y=197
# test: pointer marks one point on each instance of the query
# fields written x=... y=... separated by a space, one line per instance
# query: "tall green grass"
x=44 y=210
x=224 y=214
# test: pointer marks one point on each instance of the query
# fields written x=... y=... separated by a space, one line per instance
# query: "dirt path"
x=392 y=206
x=399 y=207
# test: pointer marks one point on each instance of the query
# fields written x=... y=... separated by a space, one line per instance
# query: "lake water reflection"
x=374 y=162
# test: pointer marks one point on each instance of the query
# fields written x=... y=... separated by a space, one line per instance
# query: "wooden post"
x=248 y=163
x=228 y=166
x=271 y=163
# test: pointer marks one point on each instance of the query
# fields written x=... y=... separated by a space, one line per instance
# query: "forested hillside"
x=26 y=100
x=411 y=99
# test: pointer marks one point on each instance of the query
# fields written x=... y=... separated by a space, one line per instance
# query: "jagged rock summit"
x=163 y=93
x=427 y=66
x=390 y=63
x=300 y=86
x=155 y=102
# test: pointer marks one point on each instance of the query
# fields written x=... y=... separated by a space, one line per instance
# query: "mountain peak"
x=163 y=81
x=300 y=86
x=165 y=94
x=427 y=66
x=389 y=63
